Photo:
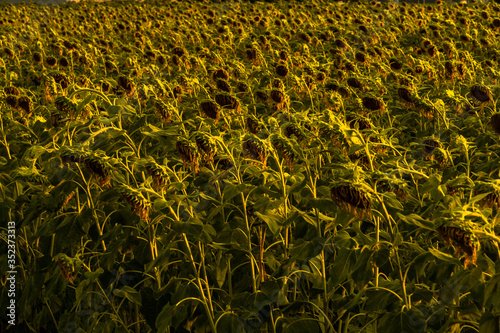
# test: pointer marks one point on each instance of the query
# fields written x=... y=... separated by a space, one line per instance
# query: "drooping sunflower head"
x=137 y=201
x=463 y=239
x=50 y=61
x=188 y=155
x=481 y=94
x=11 y=91
x=405 y=97
x=206 y=148
x=98 y=169
x=352 y=199
x=252 y=125
x=284 y=148
x=373 y=104
x=254 y=150
x=210 y=109
x=228 y=101
x=495 y=123
x=281 y=70
x=429 y=146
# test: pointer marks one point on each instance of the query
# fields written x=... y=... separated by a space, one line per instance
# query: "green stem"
x=209 y=313
x=97 y=92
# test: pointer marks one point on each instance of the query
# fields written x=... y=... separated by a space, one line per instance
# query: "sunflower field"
x=184 y=166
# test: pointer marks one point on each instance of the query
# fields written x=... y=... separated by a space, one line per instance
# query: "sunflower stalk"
x=208 y=310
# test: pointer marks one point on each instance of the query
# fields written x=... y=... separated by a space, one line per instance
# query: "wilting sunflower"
x=50 y=61
x=139 y=203
x=228 y=101
x=220 y=74
x=281 y=70
x=355 y=83
x=428 y=147
x=205 y=148
x=223 y=85
x=98 y=171
x=406 y=98
x=463 y=243
x=65 y=105
x=292 y=129
x=37 y=57
x=158 y=174
x=373 y=104
x=188 y=155
x=162 y=111
x=254 y=151
x=12 y=101
x=492 y=199
x=11 y=91
x=65 y=271
x=283 y=146
x=125 y=84
x=25 y=103
x=495 y=123
x=481 y=94
x=210 y=109
x=252 y=125
x=349 y=198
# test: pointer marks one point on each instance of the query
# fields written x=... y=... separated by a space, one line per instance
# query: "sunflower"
x=373 y=104
x=495 y=123
x=223 y=85
x=210 y=109
x=227 y=101
x=11 y=91
x=481 y=94
x=281 y=70
x=50 y=61
x=428 y=147
x=463 y=242
x=97 y=170
x=406 y=98
x=188 y=156
x=350 y=199
x=252 y=125
x=253 y=151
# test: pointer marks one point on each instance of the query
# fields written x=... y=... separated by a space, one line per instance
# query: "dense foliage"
x=239 y=167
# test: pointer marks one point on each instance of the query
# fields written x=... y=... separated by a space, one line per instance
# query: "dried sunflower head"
x=351 y=199
x=136 y=199
x=428 y=147
x=162 y=111
x=281 y=70
x=463 y=240
x=223 y=85
x=97 y=169
x=228 y=101
x=205 y=147
x=406 y=98
x=481 y=94
x=210 y=109
x=25 y=103
x=220 y=74
x=252 y=125
x=253 y=150
x=12 y=101
x=50 y=61
x=188 y=155
x=11 y=91
x=373 y=104
x=355 y=83
x=495 y=123
x=158 y=174
x=285 y=149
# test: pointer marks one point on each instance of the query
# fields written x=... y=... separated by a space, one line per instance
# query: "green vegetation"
x=238 y=167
